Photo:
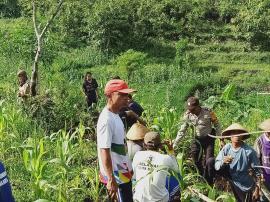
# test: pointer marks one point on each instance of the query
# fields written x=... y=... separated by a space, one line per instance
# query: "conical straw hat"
x=265 y=125
x=137 y=132
x=235 y=127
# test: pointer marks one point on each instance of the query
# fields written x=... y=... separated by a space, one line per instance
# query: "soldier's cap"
x=117 y=85
x=193 y=102
x=152 y=139
x=21 y=73
x=235 y=127
x=265 y=125
x=137 y=132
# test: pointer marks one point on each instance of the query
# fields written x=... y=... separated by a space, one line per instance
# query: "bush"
x=130 y=61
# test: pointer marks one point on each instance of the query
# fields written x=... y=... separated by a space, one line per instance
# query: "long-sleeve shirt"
x=262 y=147
x=202 y=124
x=5 y=188
x=244 y=158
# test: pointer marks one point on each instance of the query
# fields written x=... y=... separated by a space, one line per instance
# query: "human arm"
x=131 y=114
x=84 y=89
x=106 y=160
x=169 y=145
x=24 y=91
x=181 y=132
x=254 y=161
x=257 y=148
x=217 y=127
x=104 y=142
x=5 y=188
x=223 y=158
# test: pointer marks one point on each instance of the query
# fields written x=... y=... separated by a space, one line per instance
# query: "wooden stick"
x=240 y=134
x=200 y=195
x=264 y=167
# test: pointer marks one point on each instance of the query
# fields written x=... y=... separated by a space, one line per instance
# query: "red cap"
x=117 y=85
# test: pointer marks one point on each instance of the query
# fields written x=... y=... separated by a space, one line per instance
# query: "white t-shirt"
x=150 y=185
x=111 y=134
x=133 y=148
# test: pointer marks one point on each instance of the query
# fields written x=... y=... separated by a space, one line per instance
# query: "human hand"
x=227 y=159
x=112 y=188
x=222 y=143
x=256 y=194
x=132 y=114
x=168 y=143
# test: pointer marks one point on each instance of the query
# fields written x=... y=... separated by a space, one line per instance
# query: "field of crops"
x=48 y=144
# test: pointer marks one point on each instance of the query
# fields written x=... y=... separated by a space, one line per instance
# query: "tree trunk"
x=34 y=77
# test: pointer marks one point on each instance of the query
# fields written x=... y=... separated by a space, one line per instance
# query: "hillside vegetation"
x=168 y=50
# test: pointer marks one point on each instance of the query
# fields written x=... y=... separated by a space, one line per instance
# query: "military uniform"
x=203 y=124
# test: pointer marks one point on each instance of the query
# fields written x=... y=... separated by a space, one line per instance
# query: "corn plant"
x=92 y=176
x=35 y=164
x=65 y=148
x=167 y=122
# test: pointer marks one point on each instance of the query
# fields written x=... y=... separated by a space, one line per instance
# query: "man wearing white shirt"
x=115 y=166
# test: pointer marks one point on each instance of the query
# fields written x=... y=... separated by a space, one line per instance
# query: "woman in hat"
x=135 y=137
x=262 y=147
x=234 y=162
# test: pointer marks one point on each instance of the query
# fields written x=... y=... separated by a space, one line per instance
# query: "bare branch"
x=52 y=17
x=35 y=18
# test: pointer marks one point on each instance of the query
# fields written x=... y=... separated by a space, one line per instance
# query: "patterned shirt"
x=201 y=124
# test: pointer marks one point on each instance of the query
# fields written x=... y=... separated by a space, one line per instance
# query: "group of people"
x=139 y=166
x=240 y=164
x=136 y=165
x=116 y=168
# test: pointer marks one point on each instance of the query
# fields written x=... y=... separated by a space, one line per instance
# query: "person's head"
x=234 y=138
x=265 y=126
x=88 y=76
x=193 y=105
x=137 y=132
x=117 y=92
x=22 y=76
x=116 y=77
x=233 y=130
x=152 y=141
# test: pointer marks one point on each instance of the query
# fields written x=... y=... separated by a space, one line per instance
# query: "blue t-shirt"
x=244 y=158
x=5 y=188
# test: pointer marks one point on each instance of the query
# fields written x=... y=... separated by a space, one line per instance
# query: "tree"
x=39 y=36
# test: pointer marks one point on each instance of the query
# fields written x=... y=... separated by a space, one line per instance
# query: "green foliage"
x=182 y=58
x=130 y=61
x=9 y=8
x=253 y=20
x=228 y=93
x=213 y=53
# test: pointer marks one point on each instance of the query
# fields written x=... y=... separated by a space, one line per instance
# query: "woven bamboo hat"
x=137 y=132
x=235 y=127
x=265 y=125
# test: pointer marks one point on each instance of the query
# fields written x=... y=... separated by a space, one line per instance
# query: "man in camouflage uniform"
x=203 y=121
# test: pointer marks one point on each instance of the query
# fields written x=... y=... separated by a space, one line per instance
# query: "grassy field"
x=48 y=145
